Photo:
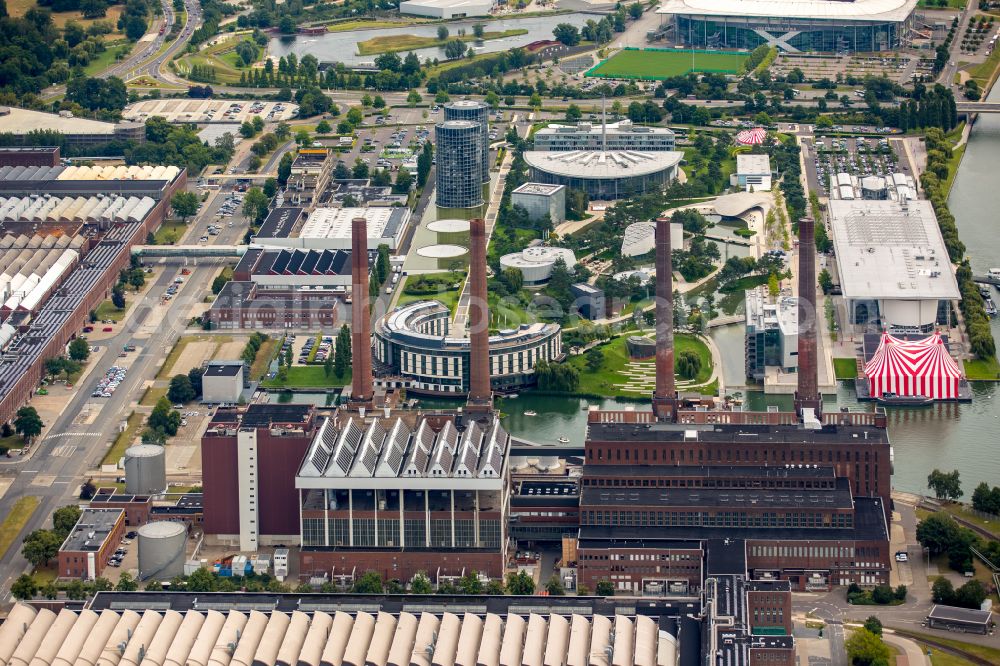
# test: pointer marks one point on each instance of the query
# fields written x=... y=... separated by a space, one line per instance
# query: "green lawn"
x=107 y=57
x=169 y=233
x=107 y=310
x=13 y=442
x=990 y=654
x=935 y=4
x=152 y=395
x=124 y=439
x=308 y=376
x=654 y=64
x=15 y=520
x=399 y=43
x=448 y=297
x=263 y=359
x=607 y=380
x=845 y=368
x=982 y=370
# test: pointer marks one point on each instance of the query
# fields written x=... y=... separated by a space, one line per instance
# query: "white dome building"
x=535 y=263
x=640 y=238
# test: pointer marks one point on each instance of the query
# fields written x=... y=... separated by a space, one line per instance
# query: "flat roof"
x=726 y=557
x=382 y=222
x=21 y=121
x=787 y=471
x=890 y=250
x=961 y=615
x=601 y=165
x=223 y=369
x=538 y=188
x=735 y=433
x=833 y=10
x=752 y=164
x=280 y=222
x=92 y=530
x=448 y=4
x=621 y=127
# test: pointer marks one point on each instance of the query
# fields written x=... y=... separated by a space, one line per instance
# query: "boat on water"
x=990 y=307
x=511 y=395
x=563 y=440
x=893 y=400
x=531 y=412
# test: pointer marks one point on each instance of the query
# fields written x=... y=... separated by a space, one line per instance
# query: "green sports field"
x=657 y=64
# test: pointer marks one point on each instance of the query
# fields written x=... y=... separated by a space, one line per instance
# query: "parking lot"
x=209 y=111
x=857 y=156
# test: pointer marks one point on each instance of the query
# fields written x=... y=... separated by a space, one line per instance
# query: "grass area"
x=360 y=25
x=107 y=310
x=166 y=369
x=939 y=658
x=654 y=64
x=169 y=233
x=45 y=575
x=607 y=379
x=982 y=370
x=152 y=395
x=740 y=285
x=108 y=57
x=263 y=359
x=966 y=513
x=399 y=43
x=956 y=159
x=990 y=654
x=222 y=57
x=935 y=4
x=845 y=368
x=308 y=376
x=15 y=521
x=124 y=439
x=60 y=19
x=985 y=72
x=448 y=297
x=13 y=442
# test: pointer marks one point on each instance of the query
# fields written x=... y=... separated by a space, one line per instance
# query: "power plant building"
x=477 y=112
x=459 y=147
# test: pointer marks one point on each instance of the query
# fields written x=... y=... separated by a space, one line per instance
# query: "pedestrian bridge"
x=977 y=107
x=189 y=250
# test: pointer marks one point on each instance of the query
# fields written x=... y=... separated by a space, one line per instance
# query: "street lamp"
x=927 y=550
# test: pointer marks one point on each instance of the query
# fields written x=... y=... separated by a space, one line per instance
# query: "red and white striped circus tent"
x=751 y=137
x=913 y=368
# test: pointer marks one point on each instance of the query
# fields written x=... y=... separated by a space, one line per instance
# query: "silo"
x=161 y=550
x=145 y=469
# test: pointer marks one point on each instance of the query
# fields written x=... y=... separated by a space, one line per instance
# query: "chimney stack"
x=361 y=334
x=807 y=394
x=665 y=394
x=480 y=393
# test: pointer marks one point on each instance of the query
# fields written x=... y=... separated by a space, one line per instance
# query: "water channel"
x=946 y=436
x=343 y=46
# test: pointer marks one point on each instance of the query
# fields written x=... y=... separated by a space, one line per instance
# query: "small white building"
x=222 y=382
x=752 y=171
x=536 y=263
x=540 y=200
x=446 y=9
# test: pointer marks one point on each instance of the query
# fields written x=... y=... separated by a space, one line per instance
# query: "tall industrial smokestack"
x=665 y=394
x=361 y=334
x=807 y=392
x=480 y=393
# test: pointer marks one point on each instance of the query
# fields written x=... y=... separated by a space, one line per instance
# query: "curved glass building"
x=477 y=112
x=459 y=164
x=793 y=26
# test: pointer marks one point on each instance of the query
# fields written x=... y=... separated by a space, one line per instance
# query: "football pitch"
x=655 y=64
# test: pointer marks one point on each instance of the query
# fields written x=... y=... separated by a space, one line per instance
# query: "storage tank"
x=161 y=550
x=145 y=469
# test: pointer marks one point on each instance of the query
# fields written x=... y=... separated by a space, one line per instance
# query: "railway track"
x=930 y=640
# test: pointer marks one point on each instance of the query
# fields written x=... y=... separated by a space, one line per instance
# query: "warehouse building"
x=413 y=348
x=330 y=228
x=753 y=172
x=89 y=546
x=605 y=175
x=792 y=27
x=78 y=132
x=541 y=200
x=49 y=156
x=446 y=9
x=622 y=135
x=952 y=618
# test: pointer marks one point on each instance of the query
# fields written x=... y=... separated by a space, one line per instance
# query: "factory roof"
x=280 y=222
x=707 y=472
x=960 y=615
x=21 y=121
x=93 y=528
x=890 y=250
x=752 y=164
x=735 y=433
x=541 y=189
x=838 y=497
x=223 y=368
x=601 y=165
x=859 y=10
x=303 y=262
x=263 y=415
x=382 y=222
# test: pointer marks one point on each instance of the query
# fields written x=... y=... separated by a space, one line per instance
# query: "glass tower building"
x=477 y=112
x=459 y=164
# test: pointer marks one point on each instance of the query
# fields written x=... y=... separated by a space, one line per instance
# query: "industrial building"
x=967 y=620
x=77 y=132
x=36 y=156
x=792 y=27
x=91 y=543
x=446 y=9
x=892 y=264
x=330 y=228
x=605 y=174
x=622 y=135
x=459 y=146
x=413 y=348
x=309 y=177
x=753 y=172
x=142 y=509
x=772 y=331
x=639 y=238
x=222 y=382
x=536 y=262
x=540 y=200
x=477 y=112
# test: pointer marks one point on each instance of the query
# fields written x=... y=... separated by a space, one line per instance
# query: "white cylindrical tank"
x=161 y=550
x=145 y=470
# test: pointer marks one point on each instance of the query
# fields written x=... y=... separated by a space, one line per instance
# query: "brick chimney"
x=807 y=392
x=665 y=394
x=361 y=333
x=480 y=393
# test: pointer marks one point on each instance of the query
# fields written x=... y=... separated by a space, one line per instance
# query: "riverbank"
x=401 y=43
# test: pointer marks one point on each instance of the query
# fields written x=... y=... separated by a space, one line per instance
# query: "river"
x=946 y=436
x=343 y=46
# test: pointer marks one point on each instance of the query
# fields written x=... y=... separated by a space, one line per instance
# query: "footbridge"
x=189 y=251
x=977 y=107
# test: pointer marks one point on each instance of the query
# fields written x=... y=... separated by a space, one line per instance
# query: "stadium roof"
x=599 y=165
x=859 y=10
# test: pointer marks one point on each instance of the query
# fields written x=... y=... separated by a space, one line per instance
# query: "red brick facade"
x=74 y=563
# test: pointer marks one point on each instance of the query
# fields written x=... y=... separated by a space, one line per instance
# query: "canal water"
x=965 y=437
x=343 y=46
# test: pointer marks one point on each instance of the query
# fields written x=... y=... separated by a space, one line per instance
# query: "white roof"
x=22 y=121
x=599 y=165
x=444 y=3
x=890 y=250
x=753 y=164
x=336 y=222
x=859 y=10
x=540 y=255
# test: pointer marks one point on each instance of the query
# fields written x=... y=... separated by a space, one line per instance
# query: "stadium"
x=795 y=26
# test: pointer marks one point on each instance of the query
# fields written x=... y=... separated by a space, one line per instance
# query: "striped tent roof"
x=913 y=368
x=751 y=137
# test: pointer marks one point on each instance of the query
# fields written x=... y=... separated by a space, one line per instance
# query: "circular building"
x=477 y=112
x=412 y=345
x=459 y=164
x=145 y=469
x=613 y=174
x=161 y=549
x=536 y=263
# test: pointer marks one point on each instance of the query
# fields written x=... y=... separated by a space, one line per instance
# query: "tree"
x=413 y=98
x=369 y=583
x=126 y=583
x=938 y=532
x=181 y=390
x=64 y=519
x=866 y=649
x=255 y=205
x=76 y=591
x=118 y=297
x=164 y=418
x=28 y=423
x=442 y=32
x=594 y=358
x=41 y=546
x=942 y=591
x=605 y=588
x=454 y=49
x=323 y=127
x=470 y=583
x=882 y=594
x=285 y=168
x=520 y=583
x=201 y=580
x=554 y=586
x=874 y=625
x=566 y=33
x=478 y=30
x=79 y=349
x=379 y=102
x=421 y=584
x=635 y=10
x=195 y=375
x=88 y=490
x=971 y=594
x=688 y=364
x=24 y=587
x=825 y=281
x=946 y=485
